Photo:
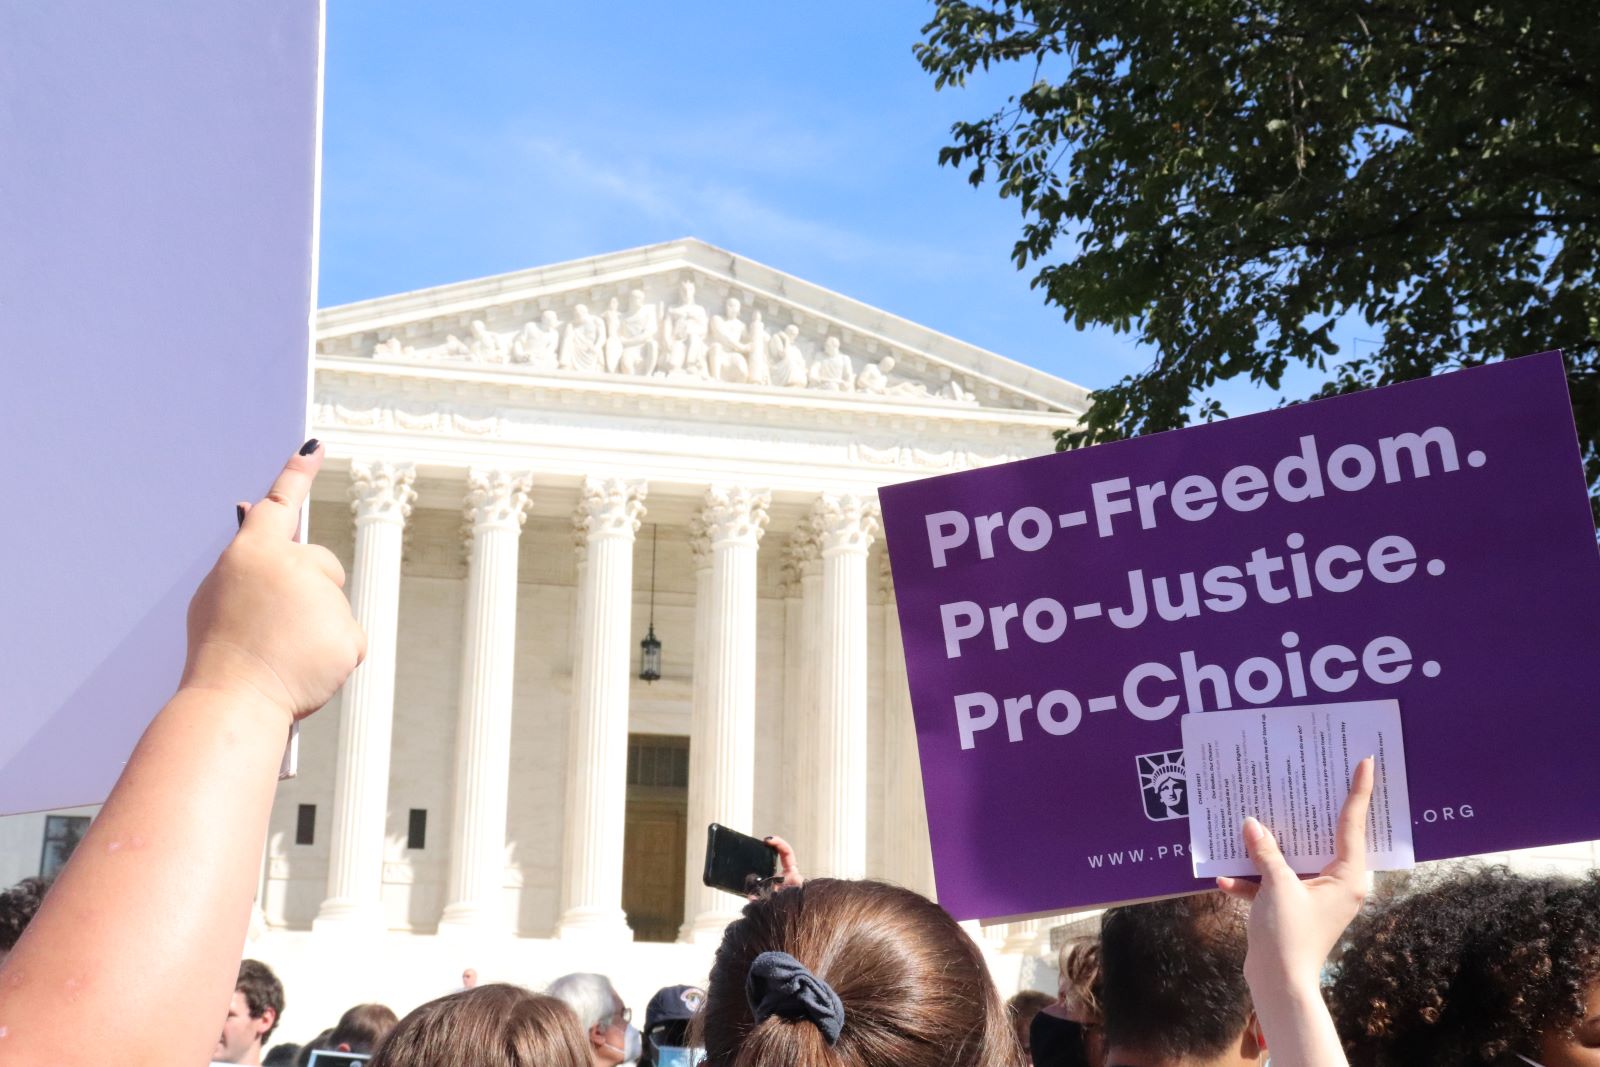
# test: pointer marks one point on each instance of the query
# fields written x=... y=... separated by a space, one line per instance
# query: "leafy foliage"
x=1228 y=178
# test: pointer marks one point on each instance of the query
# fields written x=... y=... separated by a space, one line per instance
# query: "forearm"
x=165 y=877
x=1297 y=1024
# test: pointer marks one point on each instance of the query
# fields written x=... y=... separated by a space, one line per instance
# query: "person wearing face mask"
x=1474 y=966
x=1022 y=1008
x=604 y=1018
x=667 y=1042
x=1069 y=1033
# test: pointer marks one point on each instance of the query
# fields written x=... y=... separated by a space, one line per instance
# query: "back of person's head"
x=285 y=1054
x=1079 y=962
x=17 y=907
x=362 y=1027
x=261 y=990
x=1021 y=1008
x=1172 y=977
x=494 y=1025
x=1071 y=1033
x=852 y=974
x=591 y=997
x=1470 y=965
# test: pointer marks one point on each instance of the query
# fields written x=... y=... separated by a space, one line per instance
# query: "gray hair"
x=590 y=996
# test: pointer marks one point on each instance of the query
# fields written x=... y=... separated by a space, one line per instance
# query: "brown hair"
x=1080 y=975
x=363 y=1026
x=1021 y=1009
x=488 y=1026
x=914 y=987
x=261 y=990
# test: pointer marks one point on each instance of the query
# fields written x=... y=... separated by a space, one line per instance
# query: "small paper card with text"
x=1290 y=767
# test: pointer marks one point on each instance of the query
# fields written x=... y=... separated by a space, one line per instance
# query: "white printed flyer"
x=1290 y=768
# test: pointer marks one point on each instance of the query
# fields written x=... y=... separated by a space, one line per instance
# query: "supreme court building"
x=528 y=478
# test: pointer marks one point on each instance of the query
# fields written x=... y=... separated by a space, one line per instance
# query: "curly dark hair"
x=1466 y=965
x=17 y=906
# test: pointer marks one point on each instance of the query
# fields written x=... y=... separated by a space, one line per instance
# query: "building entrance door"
x=655 y=835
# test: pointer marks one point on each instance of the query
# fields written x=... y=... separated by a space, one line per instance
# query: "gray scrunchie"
x=779 y=984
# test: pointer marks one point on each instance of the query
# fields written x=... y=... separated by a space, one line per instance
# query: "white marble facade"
x=505 y=455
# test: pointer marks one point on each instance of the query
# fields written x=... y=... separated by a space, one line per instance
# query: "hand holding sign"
x=154 y=902
x=1294 y=924
x=269 y=622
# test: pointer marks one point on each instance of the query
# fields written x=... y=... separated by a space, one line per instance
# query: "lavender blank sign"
x=156 y=292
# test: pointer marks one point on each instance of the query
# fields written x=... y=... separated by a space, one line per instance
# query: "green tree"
x=1228 y=178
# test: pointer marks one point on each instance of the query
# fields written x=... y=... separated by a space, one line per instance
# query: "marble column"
x=694 y=845
x=580 y=556
x=802 y=624
x=496 y=507
x=905 y=813
x=722 y=746
x=846 y=525
x=381 y=495
x=597 y=755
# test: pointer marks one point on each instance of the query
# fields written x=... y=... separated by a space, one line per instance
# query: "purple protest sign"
x=159 y=174
x=1429 y=542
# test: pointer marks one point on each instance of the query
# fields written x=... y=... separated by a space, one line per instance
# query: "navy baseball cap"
x=674 y=1004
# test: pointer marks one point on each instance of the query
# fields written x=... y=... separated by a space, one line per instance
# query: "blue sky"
x=489 y=137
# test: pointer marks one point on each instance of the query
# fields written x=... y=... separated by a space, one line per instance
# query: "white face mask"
x=632 y=1045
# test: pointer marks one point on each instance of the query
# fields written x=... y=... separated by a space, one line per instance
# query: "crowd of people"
x=1468 y=966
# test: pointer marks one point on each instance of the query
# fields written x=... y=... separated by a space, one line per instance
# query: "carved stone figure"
x=727 y=354
x=760 y=368
x=391 y=348
x=685 y=337
x=613 y=321
x=639 y=336
x=536 y=343
x=874 y=379
x=788 y=361
x=583 y=348
x=486 y=345
x=834 y=371
x=482 y=345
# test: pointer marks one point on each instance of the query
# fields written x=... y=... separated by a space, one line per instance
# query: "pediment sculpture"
x=678 y=339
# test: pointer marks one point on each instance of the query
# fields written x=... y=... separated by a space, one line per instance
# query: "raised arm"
x=1294 y=924
x=132 y=957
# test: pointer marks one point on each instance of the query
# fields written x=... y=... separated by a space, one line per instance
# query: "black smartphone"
x=737 y=863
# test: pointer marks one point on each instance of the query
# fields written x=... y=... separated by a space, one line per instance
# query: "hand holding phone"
x=737 y=863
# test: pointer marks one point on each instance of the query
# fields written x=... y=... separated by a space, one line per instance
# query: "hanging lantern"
x=650 y=647
x=650 y=656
